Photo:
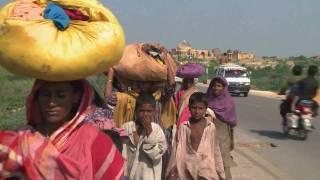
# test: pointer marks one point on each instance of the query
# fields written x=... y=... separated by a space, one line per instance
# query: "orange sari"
x=77 y=150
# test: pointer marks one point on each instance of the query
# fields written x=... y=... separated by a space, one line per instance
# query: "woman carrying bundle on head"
x=66 y=42
x=146 y=69
x=59 y=144
x=188 y=72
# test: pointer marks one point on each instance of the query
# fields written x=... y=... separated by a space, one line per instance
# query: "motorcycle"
x=300 y=120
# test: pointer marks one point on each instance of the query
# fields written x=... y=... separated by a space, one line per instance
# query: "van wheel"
x=245 y=94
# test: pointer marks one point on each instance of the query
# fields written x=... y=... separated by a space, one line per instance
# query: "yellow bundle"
x=36 y=48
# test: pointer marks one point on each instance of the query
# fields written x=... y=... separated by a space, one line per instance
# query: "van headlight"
x=247 y=84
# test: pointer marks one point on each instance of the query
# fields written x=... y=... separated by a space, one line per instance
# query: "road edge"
x=264 y=164
x=258 y=160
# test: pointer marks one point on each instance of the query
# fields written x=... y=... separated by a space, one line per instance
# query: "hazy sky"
x=265 y=27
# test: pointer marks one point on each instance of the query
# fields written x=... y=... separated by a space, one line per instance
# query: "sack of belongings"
x=190 y=70
x=59 y=40
x=145 y=62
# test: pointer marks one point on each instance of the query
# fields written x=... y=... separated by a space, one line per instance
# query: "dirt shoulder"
x=267 y=94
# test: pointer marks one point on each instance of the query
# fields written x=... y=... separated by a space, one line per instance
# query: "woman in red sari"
x=59 y=144
x=182 y=100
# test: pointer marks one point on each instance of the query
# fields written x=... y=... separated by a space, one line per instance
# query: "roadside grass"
x=13 y=93
x=270 y=79
x=273 y=79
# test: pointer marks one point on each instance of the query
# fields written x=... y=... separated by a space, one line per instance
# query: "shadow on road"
x=275 y=134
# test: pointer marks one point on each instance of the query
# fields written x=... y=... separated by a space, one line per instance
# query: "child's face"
x=197 y=110
x=145 y=113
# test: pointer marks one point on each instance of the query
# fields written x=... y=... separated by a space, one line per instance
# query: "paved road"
x=259 y=117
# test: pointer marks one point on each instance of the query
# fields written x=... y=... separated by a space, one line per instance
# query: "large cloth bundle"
x=145 y=62
x=38 y=49
x=190 y=70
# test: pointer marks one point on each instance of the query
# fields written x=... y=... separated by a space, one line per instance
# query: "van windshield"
x=236 y=73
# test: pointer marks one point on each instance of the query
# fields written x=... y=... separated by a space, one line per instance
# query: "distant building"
x=185 y=50
x=236 y=55
x=217 y=52
x=244 y=56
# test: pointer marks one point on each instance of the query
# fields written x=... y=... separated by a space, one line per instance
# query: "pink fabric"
x=76 y=150
x=190 y=70
x=206 y=162
x=102 y=122
x=75 y=14
x=27 y=10
x=108 y=125
x=222 y=105
x=180 y=98
x=184 y=117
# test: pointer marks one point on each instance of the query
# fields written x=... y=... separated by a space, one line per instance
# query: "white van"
x=237 y=76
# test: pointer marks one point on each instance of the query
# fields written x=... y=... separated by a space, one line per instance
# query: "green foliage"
x=269 y=78
x=275 y=78
x=13 y=93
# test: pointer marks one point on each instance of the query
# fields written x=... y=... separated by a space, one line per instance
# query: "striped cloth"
x=77 y=150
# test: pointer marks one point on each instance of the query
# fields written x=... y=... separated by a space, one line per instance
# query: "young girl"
x=221 y=102
x=182 y=99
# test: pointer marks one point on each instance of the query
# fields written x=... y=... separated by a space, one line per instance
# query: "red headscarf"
x=60 y=135
x=76 y=150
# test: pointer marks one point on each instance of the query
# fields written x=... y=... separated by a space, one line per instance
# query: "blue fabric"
x=55 y=13
x=294 y=89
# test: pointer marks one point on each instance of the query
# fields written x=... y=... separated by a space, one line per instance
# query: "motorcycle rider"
x=285 y=106
x=295 y=77
x=307 y=88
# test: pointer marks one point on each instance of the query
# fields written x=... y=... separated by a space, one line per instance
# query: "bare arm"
x=108 y=85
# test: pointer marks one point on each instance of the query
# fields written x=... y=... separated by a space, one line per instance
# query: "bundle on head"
x=38 y=49
x=145 y=62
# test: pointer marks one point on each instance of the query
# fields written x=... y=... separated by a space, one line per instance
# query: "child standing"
x=147 y=143
x=196 y=154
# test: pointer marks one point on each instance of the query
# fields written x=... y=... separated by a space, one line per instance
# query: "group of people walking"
x=75 y=131
x=135 y=130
